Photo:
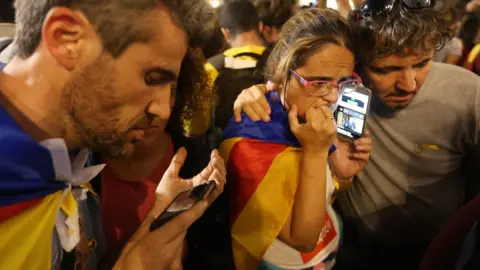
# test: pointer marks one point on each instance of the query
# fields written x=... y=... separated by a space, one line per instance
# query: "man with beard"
x=92 y=74
x=424 y=122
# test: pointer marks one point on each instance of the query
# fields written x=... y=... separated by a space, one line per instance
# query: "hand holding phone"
x=351 y=114
x=184 y=201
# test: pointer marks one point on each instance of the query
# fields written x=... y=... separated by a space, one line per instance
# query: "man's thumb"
x=178 y=161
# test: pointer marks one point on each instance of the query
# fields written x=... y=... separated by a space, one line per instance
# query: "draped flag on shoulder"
x=263 y=162
x=29 y=202
x=35 y=198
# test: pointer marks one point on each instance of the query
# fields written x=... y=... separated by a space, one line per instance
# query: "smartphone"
x=351 y=113
x=182 y=202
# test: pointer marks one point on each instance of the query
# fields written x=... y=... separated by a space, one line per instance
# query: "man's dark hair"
x=238 y=17
x=403 y=31
x=217 y=43
x=470 y=28
x=119 y=23
x=274 y=13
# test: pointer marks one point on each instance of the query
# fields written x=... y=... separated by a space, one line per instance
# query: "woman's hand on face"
x=317 y=134
x=351 y=158
x=253 y=103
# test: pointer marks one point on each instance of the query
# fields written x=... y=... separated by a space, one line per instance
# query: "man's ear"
x=226 y=34
x=66 y=35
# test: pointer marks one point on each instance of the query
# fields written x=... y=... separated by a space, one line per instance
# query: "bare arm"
x=305 y=223
x=303 y=227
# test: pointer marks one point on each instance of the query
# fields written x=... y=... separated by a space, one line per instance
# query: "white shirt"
x=455 y=47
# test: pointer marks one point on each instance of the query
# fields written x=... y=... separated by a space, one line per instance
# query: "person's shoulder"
x=451 y=74
x=457 y=41
x=14 y=140
x=456 y=46
x=453 y=84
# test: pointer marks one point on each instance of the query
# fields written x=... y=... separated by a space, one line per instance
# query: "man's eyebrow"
x=385 y=67
x=423 y=60
x=400 y=67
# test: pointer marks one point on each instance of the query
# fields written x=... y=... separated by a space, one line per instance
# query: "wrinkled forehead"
x=407 y=55
x=384 y=47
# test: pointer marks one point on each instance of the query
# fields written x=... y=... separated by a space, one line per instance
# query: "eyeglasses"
x=323 y=88
x=379 y=7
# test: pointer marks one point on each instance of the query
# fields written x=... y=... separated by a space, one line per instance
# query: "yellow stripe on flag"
x=26 y=239
x=69 y=205
x=473 y=54
x=267 y=211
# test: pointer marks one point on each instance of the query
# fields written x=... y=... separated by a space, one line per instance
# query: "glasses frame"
x=332 y=85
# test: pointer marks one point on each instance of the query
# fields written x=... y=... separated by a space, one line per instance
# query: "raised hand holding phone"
x=351 y=113
x=159 y=249
x=171 y=184
x=184 y=201
x=350 y=157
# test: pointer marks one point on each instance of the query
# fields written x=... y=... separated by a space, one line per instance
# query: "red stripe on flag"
x=10 y=211
x=247 y=166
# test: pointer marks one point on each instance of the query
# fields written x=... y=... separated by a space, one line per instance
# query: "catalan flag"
x=29 y=199
x=263 y=163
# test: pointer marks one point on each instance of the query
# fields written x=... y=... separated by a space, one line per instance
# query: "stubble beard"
x=84 y=99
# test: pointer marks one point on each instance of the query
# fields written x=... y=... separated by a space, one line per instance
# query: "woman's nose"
x=332 y=96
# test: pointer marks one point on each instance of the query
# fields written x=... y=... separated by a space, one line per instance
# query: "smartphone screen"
x=351 y=113
x=184 y=201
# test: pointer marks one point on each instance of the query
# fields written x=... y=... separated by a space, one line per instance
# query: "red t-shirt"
x=126 y=204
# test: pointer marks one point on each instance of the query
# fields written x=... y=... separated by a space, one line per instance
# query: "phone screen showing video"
x=351 y=114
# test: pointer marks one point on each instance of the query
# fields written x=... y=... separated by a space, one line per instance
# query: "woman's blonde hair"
x=302 y=35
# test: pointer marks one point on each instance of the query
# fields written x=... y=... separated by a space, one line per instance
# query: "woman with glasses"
x=282 y=187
